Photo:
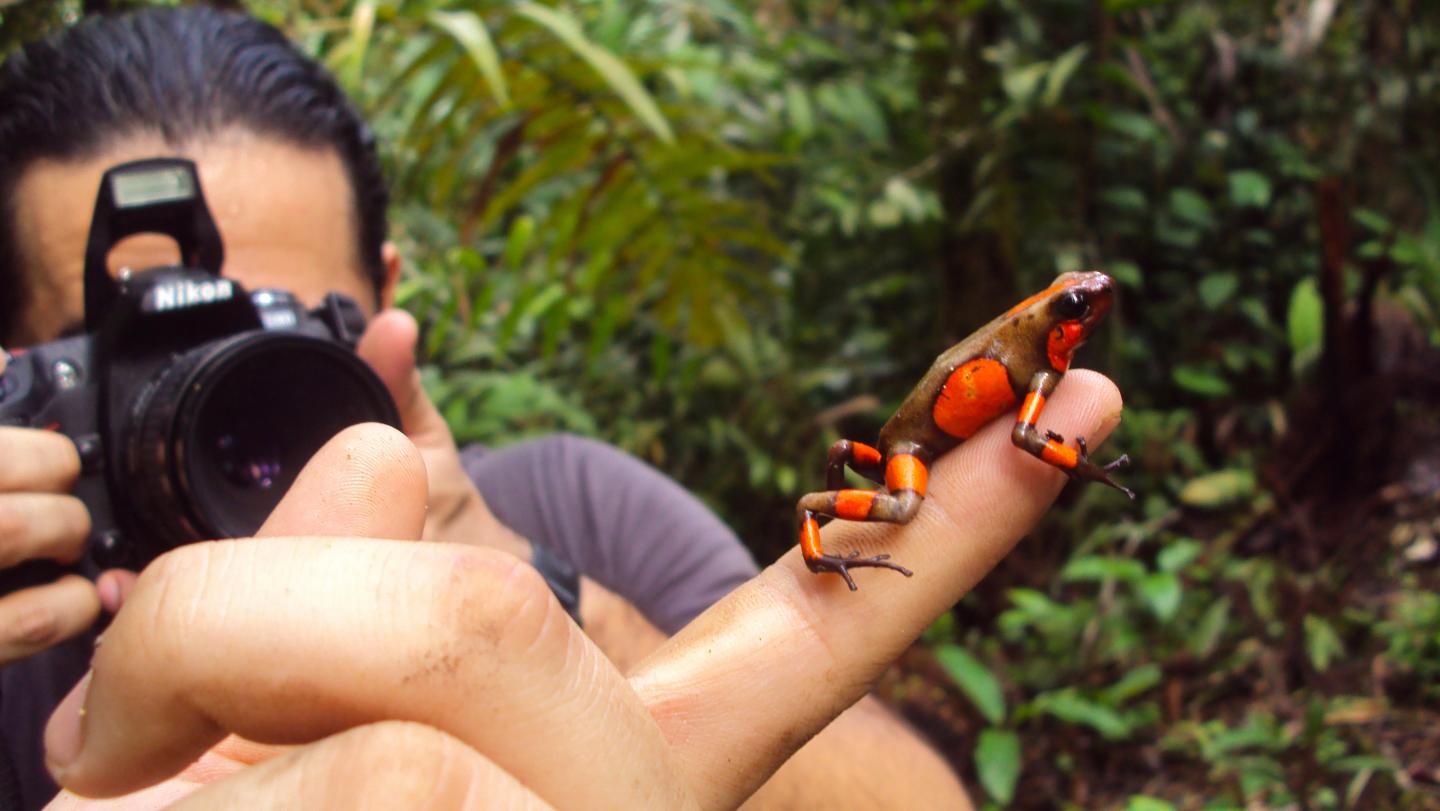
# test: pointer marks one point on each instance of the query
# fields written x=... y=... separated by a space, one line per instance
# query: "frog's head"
x=1074 y=306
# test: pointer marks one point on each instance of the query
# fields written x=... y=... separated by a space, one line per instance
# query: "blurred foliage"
x=724 y=235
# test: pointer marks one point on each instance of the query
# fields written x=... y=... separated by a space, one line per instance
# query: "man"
x=469 y=648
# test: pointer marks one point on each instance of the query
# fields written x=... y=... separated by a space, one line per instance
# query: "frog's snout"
x=1099 y=292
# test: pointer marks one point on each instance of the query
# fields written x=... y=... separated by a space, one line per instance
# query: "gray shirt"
x=618 y=520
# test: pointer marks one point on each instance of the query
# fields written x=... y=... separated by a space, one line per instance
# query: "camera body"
x=192 y=403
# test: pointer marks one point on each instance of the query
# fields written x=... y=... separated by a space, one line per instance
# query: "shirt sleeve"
x=620 y=521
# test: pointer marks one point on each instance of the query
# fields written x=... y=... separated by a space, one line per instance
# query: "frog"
x=1020 y=356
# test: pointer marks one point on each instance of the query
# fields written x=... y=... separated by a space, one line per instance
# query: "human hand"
x=40 y=519
x=458 y=513
x=449 y=675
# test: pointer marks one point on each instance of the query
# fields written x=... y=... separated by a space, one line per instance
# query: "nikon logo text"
x=187 y=293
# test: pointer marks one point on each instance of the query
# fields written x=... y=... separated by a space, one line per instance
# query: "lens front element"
x=250 y=412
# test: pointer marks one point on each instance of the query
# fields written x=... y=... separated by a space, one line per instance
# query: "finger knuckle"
x=171 y=592
x=495 y=599
x=35 y=625
x=13 y=527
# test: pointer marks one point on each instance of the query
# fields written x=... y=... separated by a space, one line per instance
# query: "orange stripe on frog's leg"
x=862 y=458
x=906 y=472
x=854 y=505
x=864 y=454
x=977 y=392
x=1059 y=455
x=810 y=537
x=1031 y=408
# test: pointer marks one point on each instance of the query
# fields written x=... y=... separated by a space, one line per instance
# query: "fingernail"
x=109 y=589
x=65 y=734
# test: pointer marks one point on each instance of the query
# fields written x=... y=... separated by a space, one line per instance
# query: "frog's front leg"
x=1050 y=446
x=905 y=478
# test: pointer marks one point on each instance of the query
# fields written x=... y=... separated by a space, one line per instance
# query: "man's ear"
x=390 y=257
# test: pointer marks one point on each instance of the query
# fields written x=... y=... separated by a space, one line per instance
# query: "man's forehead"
x=285 y=214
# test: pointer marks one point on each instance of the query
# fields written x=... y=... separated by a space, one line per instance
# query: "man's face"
x=285 y=215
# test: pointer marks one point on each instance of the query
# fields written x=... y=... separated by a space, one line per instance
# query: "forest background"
x=722 y=235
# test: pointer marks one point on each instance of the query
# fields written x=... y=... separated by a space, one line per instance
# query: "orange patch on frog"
x=974 y=394
x=1059 y=455
x=810 y=539
x=864 y=454
x=1037 y=297
x=1062 y=343
x=1030 y=409
x=854 y=505
x=905 y=472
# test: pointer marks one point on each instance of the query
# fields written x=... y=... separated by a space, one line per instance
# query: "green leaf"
x=1305 y=323
x=610 y=68
x=1249 y=188
x=1198 y=379
x=518 y=242
x=1127 y=198
x=1322 y=644
x=1022 y=82
x=1210 y=629
x=1071 y=707
x=1373 y=220
x=1140 y=802
x=469 y=30
x=1126 y=273
x=1178 y=554
x=798 y=109
x=997 y=761
x=348 y=58
x=1061 y=71
x=1190 y=206
x=851 y=103
x=1217 y=288
x=1161 y=593
x=1133 y=683
x=1096 y=568
x=1218 y=490
x=1137 y=126
x=975 y=679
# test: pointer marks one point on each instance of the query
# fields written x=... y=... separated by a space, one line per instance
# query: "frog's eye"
x=1071 y=304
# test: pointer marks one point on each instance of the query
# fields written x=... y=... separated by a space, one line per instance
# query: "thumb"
x=367 y=481
x=388 y=345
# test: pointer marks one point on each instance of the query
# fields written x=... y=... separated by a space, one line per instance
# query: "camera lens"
x=232 y=423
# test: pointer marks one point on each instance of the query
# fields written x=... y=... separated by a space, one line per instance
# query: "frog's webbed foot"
x=1086 y=470
x=842 y=565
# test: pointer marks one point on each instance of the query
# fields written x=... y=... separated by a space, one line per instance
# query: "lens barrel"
x=223 y=431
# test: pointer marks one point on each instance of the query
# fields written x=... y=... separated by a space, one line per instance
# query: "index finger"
x=37 y=461
x=749 y=681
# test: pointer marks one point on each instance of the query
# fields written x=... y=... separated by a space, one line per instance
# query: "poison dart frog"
x=1019 y=356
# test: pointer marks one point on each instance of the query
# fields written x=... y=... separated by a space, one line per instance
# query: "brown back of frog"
x=981 y=378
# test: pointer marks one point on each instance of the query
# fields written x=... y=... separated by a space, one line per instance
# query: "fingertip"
x=114 y=586
x=1097 y=403
x=367 y=481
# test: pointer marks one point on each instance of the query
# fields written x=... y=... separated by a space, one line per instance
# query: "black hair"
x=183 y=73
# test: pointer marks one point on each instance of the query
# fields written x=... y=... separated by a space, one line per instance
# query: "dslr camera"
x=192 y=402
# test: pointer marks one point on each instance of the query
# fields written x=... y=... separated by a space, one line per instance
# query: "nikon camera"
x=193 y=403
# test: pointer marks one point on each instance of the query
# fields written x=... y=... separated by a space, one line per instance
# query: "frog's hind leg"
x=861 y=458
x=851 y=505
